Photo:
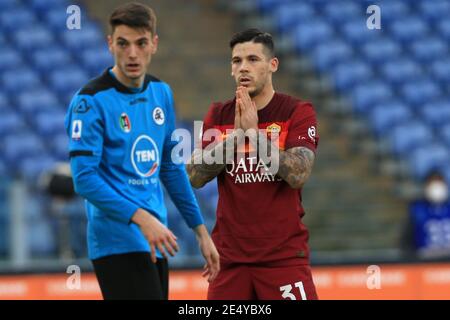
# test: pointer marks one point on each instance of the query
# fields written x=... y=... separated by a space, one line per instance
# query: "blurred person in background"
x=430 y=219
x=120 y=126
x=259 y=232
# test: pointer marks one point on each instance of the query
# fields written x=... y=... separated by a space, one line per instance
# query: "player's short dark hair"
x=256 y=36
x=134 y=15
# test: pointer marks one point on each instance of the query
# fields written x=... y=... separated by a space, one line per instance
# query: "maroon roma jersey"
x=259 y=216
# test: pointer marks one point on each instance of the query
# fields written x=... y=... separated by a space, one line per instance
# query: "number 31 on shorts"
x=288 y=288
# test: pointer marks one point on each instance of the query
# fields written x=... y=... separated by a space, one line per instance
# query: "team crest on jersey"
x=77 y=125
x=273 y=128
x=158 y=115
x=145 y=156
x=125 y=123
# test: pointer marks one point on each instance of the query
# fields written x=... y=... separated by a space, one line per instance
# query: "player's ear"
x=155 y=41
x=110 y=43
x=274 y=63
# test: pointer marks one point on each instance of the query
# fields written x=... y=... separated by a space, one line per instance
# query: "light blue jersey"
x=120 y=150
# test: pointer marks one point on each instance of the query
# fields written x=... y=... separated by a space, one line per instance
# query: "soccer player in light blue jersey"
x=120 y=126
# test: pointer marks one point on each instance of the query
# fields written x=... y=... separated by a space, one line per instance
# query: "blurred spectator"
x=430 y=219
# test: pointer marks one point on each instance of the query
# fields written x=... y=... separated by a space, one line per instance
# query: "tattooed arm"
x=200 y=171
x=294 y=165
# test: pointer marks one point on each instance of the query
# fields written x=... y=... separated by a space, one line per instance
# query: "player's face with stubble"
x=132 y=50
x=251 y=66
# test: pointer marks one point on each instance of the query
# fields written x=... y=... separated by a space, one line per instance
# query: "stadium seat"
x=265 y=6
x=41 y=238
x=419 y=91
x=345 y=75
x=445 y=133
x=339 y=11
x=436 y=113
x=326 y=55
x=8 y=4
x=17 y=147
x=66 y=81
x=39 y=99
x=386 y=115
x=428 y=157
x=49 y=123
x=286 y=16
x=59 y=146
x=12 y=123
x=366 y=94
x=408 y=136
x=440 y=70
x=401 y=70
x=31 y=167
x=356 y=32
x=10 y=59
x=310 y=33
x=88 y=36
x=428 y=49
x=51 y=58
x=19 y=80
x=42 y=6
x=434 y=10
x=4 y=102
x=392 y=10
x=56 y=18
x=444 y=29
x=409 y=28
x=96 y=60
x=381 y=50
x=32 y=38
x=10 y=19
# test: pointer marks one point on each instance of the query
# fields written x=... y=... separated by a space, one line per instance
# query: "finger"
x=161 y=249
x=169 y=248
x=153 y=252
x=174 y=244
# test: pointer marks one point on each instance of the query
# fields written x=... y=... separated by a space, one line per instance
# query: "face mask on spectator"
x=436 y=191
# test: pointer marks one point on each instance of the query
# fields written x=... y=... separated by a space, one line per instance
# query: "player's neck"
x=128 y=82
x=264 y=98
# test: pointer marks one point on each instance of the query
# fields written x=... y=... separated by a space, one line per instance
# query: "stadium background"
x=382 y=98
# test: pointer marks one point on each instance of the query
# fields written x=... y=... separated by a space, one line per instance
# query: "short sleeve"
x=302 y=131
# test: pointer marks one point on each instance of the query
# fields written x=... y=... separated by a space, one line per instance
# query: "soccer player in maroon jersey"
x=259 y=231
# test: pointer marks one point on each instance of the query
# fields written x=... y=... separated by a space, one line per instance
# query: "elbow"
x=196 y=183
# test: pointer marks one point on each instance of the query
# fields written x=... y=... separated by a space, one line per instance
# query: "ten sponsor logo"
x=145 y=156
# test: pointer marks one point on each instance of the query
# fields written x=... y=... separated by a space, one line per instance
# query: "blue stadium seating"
x=409 y=28
x=18 y=16
x=50 y=58
x=434 y=10
x=346 y=74
x=10 y=59
x=29 y=39
x=436 y=113
x=445 y=133
x=19 y=80
x=419 y=91
x=385 y=115
x=406 y=137
x=429 y=49
x=96 y=59
x=440 y=69
x=36 y=100
x=328 y=54
x=66 y=81
x=365 y=95
x=428 y=157
x=309 y=33
x=444 y=29
x=381 y=50
x=400 y=70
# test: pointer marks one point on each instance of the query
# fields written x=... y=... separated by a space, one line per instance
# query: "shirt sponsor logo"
x=145 y=156
x=82 y=107
x=77 y=125
x=125 y=123
x=312 y=133
x=158 y=115
x=250 y=170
